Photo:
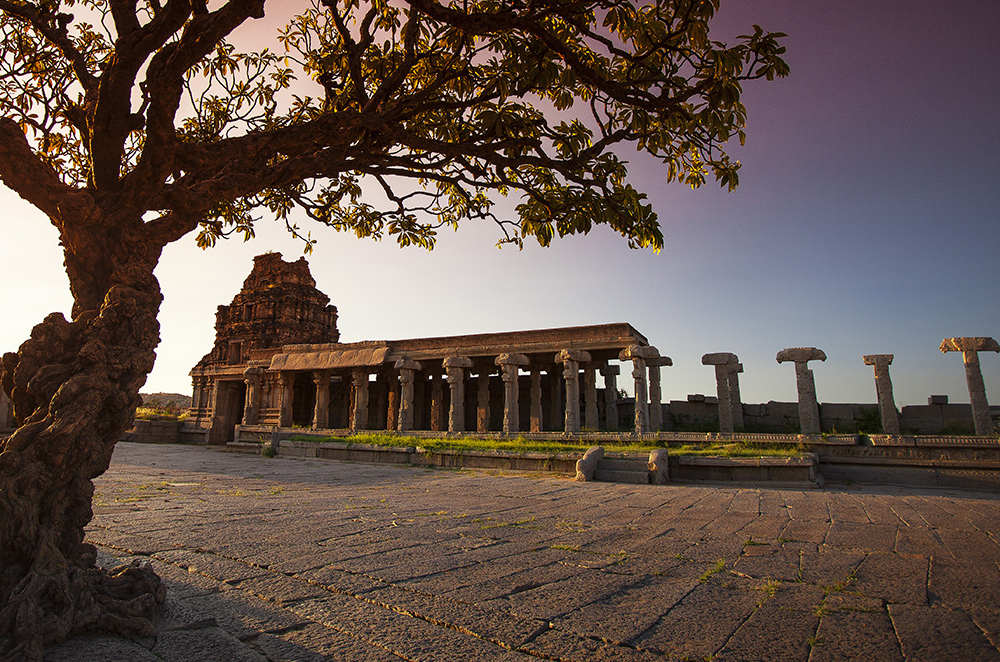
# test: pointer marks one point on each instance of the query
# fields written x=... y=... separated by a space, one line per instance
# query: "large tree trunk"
x=74 y=386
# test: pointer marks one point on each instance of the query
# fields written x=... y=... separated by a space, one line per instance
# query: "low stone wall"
x=701 y=411
x=799 y=469
x=969 y=462
x=343 y=451
x=154 y=432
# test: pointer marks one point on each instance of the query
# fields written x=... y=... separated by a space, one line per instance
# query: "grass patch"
x=738 y=449
x=719 y=566
x=160 y=414
x=522 y=445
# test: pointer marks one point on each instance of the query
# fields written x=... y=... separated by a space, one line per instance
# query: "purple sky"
x=866 y=222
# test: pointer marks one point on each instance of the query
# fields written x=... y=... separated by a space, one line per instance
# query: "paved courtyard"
x=292 y=559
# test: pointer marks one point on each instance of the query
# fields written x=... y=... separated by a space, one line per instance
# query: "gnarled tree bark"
x=74 y=386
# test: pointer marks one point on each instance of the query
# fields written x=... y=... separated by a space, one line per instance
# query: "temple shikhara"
x=277 y=362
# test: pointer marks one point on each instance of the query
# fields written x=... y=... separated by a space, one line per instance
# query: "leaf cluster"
x=384 y=119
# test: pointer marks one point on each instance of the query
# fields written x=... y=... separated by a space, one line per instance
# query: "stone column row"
x=646 y=361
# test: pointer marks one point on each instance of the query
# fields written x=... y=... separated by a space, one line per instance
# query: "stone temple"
x=277 y=362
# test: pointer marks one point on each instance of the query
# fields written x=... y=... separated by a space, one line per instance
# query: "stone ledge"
x=950 y=463
x=809 y=459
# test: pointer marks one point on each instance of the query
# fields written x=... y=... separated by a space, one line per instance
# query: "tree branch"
x=27 y=175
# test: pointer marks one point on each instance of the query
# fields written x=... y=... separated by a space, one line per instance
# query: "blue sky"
x=867 y=221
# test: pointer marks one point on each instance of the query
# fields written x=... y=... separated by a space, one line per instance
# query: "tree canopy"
x=441 y=107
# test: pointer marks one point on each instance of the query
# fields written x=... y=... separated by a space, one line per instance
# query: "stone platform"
x=297 y=559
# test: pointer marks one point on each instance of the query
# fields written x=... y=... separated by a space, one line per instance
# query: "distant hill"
x=166 y=400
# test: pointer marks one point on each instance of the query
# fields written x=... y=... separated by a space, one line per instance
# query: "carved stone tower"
x=278 y=305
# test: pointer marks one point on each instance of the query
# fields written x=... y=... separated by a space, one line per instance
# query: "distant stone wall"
x=701 y=414
x=154 y=432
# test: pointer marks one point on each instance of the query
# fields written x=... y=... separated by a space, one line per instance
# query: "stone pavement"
x=293 y=559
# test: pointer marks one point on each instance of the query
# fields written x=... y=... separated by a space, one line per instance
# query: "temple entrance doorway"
x=230 y=403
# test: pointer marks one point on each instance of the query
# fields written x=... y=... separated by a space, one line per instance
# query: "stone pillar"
x=483 y=400
x=590 y=397
x=638 y=356
x=196 y=394
x=970 y=348
x=286 y=380
x=883 y=389
x=723 y=362
x=437 y=403
x=509 y=364
x=610 y=373
x=212 y=395
x=251 y=377
x=734 y=395
x=571 y=360
x=266 y=392
x=536 y=398
x=455 y=368
x=805 y=384
x=359 y=386
x=392 y=403
x=407 y=373
x=321 y=412
x=655 y=397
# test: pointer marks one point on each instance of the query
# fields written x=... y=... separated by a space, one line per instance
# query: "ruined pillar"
x=723 y=362
x=610 y=373
x=655 y=396
x=251 y=377
x=970 y=348
x=509 y=364
x=536 y=398
x=638 y=356
x=483 y=400
x=571 y=360
x=407 y=373
x=883 y=389
x=321 y=412
x=734 y=395
x=592 y=421
x=359 y=399
x=286 y=381
x=805 y=384
x=455 y=369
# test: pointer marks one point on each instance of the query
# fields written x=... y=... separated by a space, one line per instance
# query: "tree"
x=132 y=123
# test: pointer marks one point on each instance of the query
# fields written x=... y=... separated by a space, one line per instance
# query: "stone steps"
x=622 y=470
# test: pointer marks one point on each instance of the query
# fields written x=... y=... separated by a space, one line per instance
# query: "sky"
x=867 y=222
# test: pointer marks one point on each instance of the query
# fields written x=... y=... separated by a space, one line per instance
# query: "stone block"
x=937 y=400
x=846 y=412
x=587 y=465
x=783 y=409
